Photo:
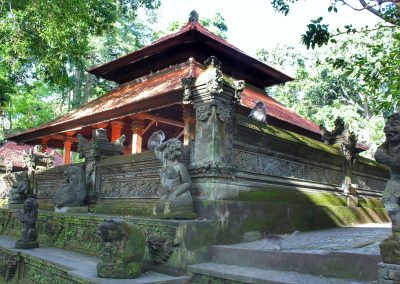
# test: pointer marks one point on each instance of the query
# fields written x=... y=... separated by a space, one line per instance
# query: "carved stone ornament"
x=187 y=84
x=175 y=180
x=36 y=161
x=99 y=145
x=19 y=189
x=389 y=154
x=215 y=80
x=194 y=16
x=28 y=218
x=223 y=112
x=72 y=191
x=239 y=88
x=123 y=253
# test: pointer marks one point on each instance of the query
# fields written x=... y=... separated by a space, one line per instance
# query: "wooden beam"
x=148 y=126
x=162 y=120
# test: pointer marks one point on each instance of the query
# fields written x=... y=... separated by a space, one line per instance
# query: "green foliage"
x=375 y=70
x=322 y=92
x=46 y=46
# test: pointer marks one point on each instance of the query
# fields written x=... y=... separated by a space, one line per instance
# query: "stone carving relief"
x=267 y=165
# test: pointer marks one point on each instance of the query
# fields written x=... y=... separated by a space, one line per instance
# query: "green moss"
x=292 y=197
x=285 y=134
x=390 y=250
x=202 y=279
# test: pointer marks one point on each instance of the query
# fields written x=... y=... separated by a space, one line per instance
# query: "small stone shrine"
x=389 y=154
x=28 y=218
x=210 y=174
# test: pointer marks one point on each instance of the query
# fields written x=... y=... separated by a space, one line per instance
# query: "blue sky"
x=253 y=24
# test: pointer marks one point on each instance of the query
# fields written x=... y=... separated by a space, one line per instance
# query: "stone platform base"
x=388 y=273
x=77 y=209
x=27 y=245
x=14 y=206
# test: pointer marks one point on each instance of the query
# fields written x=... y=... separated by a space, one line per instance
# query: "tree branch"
x=378 y=13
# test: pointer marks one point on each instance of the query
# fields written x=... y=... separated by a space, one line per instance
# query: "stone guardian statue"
x=19 y=189
x=28 y=218
x=389 y=154
x=72 y=191
x=123 y=253
x=175 y=180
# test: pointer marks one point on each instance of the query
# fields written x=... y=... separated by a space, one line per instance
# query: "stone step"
x=350 y=253
x=327 y=263
x=46 y=265
x=210 y=272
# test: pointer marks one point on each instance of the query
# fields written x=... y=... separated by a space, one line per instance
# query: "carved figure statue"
x=19 y=189
x=175 y=180
x=72 y=191
x=123 y=254
x=259 y=112
x=389 y=154
x=28 y=218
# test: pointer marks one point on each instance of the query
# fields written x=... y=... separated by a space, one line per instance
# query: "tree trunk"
x=87 y=88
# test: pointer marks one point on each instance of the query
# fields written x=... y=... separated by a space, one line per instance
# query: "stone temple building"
x=247 y=176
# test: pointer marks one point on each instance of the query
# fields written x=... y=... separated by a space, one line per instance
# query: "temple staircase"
x=341 y=255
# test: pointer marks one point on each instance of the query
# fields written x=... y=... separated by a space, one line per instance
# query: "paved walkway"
x=85 y=266
x=359 y=239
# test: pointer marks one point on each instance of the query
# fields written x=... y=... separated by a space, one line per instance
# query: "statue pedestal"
x=26 y=245
x=388 y=273
x=77 y=209
x=15 y=206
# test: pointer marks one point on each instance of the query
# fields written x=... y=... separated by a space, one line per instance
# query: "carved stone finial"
x=28 y=218
x=187 y=84
x=122 y=255
x=193 y=17
x=213 y=62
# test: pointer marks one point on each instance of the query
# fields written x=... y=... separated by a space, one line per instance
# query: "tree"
x=322 y=92
x=377 y=68
x=46 y=46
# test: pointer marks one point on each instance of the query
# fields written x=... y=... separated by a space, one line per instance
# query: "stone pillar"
x=44 y=144
x=214 y=100
x=116 y=129
x=67 y=150
x=137 y=135
x=189 y=122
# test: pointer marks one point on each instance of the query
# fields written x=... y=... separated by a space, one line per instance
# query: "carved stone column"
x=190 y=123
x=67 y=150
x=214 y=100
x=116 y=129
x=137 y=135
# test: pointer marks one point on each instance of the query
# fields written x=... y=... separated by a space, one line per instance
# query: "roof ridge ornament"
x=193 y=17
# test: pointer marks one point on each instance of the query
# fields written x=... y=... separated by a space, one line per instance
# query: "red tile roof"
x=13 y=152
x=190 y=41
x=274 y=108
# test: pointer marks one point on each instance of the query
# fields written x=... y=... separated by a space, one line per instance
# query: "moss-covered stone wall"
x=171 y=244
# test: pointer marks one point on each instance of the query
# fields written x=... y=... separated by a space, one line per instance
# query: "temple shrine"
x=172 y=159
